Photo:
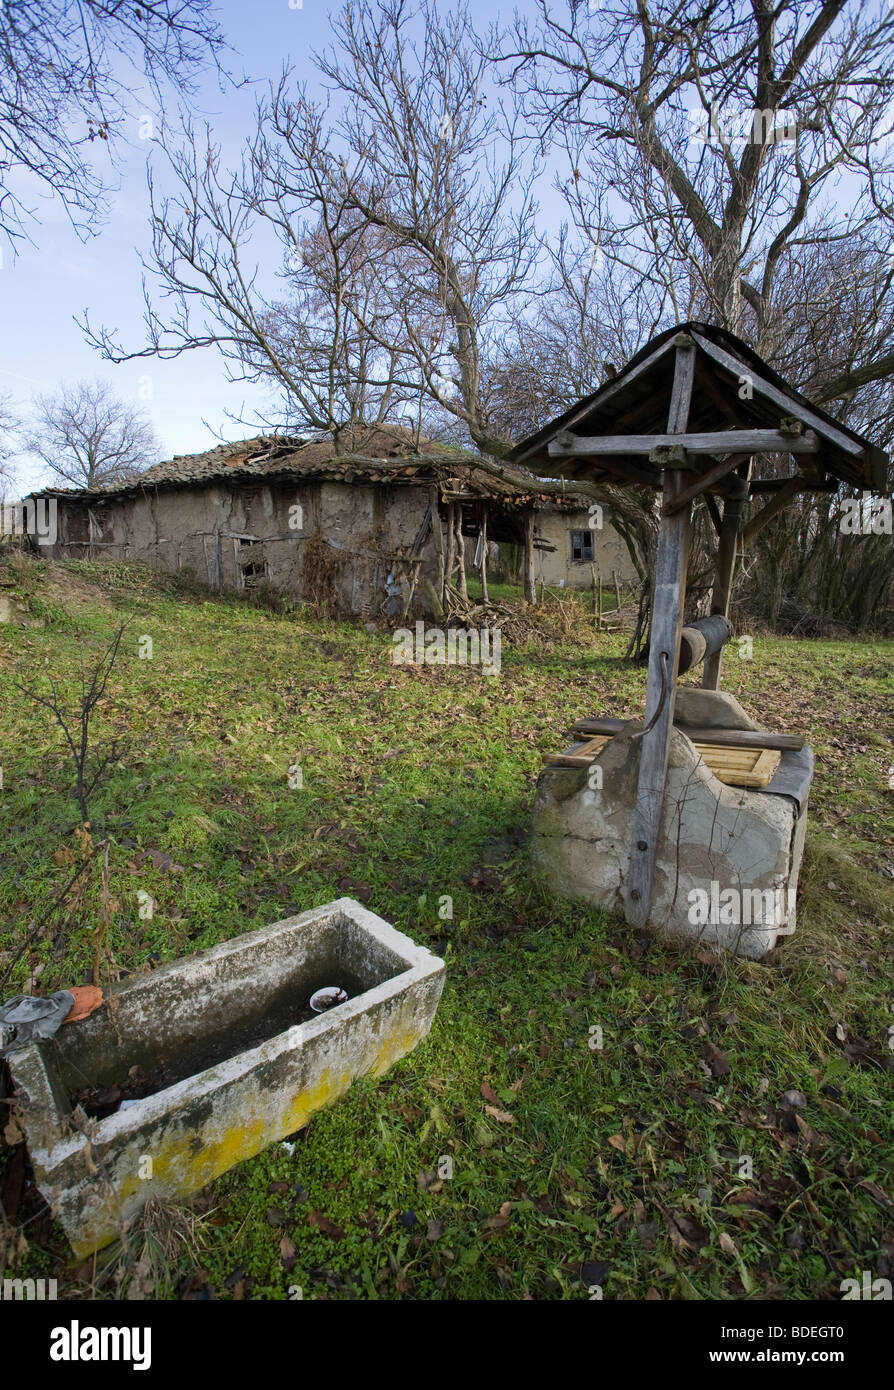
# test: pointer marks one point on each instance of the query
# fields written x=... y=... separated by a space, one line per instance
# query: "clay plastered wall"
x=609 y=552
x=235 y=535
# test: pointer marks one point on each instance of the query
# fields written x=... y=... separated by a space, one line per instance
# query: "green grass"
x=627 y=1168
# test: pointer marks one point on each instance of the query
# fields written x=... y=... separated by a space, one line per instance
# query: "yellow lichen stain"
x=177 y=1171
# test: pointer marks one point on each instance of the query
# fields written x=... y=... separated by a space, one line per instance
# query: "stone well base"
x=728 y=858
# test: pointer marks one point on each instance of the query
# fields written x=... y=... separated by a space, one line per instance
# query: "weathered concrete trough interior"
x=218 y=1033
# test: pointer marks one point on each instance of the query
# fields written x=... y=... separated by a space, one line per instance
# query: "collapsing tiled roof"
x=390 y=454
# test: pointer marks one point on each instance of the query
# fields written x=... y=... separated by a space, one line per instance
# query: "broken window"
x=250 y=562
x=582 y=545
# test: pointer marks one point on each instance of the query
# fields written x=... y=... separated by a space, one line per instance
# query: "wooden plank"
x=438 y=536
x=484 y=552
x=603 y=396
x=460 y=554
x=528 y=564
x=728 y=544
x=721 y=738
x=713 y=475
x=664 y=651
x=451 y=548
x=776 y=503
x=567 y=445
x=752 y=767
x=623 y=470
x=767 y=764
x=761 y=387
x=579 y=754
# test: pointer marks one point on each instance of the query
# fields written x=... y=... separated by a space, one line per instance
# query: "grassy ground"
x=648 y=1168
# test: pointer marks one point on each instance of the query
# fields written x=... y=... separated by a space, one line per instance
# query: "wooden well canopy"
x=687 y=415
x=739 y=407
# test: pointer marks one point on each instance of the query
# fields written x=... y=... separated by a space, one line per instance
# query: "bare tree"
x=10 y=424
x=67 y=73
x=417 y=198
x=88 y=437
x=702 y=138
x=327 y=337
x=441 y=167
x=706 y=148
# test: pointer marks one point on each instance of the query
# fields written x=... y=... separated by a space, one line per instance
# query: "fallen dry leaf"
x=489 y=1093
x=322 y=1223
x=13 y=1132
x=617 y=1141
x=715 y=1059
x=502 y=1117
x=496 y=1223
x=87 y=999
x=158 y=859
x=684 y=1231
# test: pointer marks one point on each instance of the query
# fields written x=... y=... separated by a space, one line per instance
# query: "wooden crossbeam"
x=720 y=738
x=567 y=445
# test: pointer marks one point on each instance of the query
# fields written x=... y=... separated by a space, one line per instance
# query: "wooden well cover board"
x=737 y=767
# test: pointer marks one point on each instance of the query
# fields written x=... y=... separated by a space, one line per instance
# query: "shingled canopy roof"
x=635 y=404
x=389 y=454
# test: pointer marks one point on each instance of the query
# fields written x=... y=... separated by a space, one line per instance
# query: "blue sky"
x=53 y=281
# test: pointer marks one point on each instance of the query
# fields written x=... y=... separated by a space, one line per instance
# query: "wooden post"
x=460 y=553
x=484 y=552
x=664 y=650
x=451 y=546
x=528 y=562
x=437 y=536
x=725 y=567
x=617 y=593
x=597 y=593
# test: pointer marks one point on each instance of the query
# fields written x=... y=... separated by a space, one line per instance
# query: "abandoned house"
x=352 y=530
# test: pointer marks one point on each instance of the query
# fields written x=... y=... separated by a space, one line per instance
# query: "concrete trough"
x=203 y=1016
